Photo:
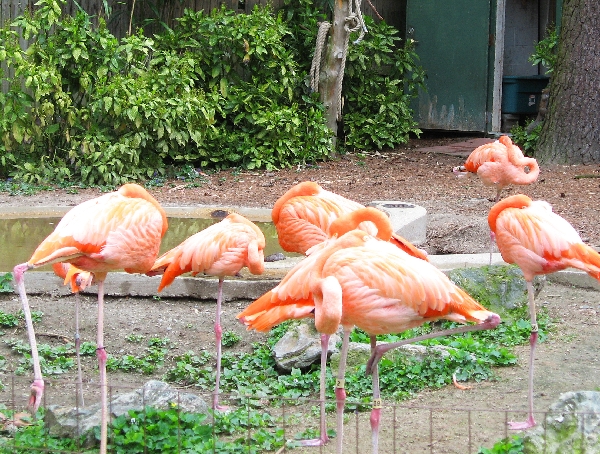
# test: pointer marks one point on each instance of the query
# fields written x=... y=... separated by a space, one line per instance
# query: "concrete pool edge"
x=250 y=287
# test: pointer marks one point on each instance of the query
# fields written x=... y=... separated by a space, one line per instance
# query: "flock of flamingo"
x=356 y=270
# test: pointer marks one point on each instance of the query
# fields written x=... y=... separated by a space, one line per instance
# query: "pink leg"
x=323 y=437
x=530 y=421
x=376 y=410
x=78 y=354
x=37 y=387
x=380 y=350
x=101 y=355
x=218 y=337
x=340 y=392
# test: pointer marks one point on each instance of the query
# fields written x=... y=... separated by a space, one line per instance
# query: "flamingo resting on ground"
x=539 y=241
x=121 y=230
x=79 y=280
x=499 y=164
x=222 y=249
x=355 y=279
x=303 y=216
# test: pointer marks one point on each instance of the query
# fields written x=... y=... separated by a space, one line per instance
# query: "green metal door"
x=453 y=43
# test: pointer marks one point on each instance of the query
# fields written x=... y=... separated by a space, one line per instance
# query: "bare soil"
x=443 y=421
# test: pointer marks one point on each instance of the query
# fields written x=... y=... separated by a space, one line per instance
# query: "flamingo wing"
x=387 y=291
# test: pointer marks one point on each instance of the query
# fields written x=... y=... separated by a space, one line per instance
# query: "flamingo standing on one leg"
x=500 y=164
x=119 y=230
x=303 y=216
x=79 y=280
x=539 y=241
x=222 y=249
x=374 y=286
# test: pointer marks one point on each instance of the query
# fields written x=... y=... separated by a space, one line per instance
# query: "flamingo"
x=499 y=164
x=303 y=216
x=121 y=230
x=354 y=279
x=79 y=280
x=222 y=249
x=539 y=241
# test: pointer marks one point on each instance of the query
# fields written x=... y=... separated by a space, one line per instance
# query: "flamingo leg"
x=218 y=337
x=80 y=402
x=340 y=392
x=380 y=350
x=37 y=387
x=376 y=410
x=101 y=355
x=323 y=438
x=530 y=421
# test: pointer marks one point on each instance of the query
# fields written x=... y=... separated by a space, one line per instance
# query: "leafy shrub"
x=546 y=49
x=526 y=140
x=381 y=79
x=218 y=90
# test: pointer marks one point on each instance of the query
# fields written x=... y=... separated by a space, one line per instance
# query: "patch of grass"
x=6 y=282
x=12 y=320
x=146 y=364
x=509 y=445
x=230 y=338
x=172 y=430
x=22 y=188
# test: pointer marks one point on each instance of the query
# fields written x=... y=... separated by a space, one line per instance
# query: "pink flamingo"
x=222 y=249
x=354 y=279
x=539 y=241
x=500 y=164
x=121 y=230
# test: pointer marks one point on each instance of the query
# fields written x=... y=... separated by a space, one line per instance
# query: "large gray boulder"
x=300 y=346
x=571 y=425
x=73 y=422
x=495 y=286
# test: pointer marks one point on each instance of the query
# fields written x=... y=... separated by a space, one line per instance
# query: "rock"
x=449 y=233
x=278 y=256
x=572 y=425
x=300 y=346
x=359 y=354
x=72 y=422
x=495 y=286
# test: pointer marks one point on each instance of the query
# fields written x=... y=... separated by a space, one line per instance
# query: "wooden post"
x=329 y=77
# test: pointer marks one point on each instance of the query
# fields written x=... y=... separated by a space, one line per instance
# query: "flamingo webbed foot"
x=322 y=441
x=35 y=398
x=522 y=425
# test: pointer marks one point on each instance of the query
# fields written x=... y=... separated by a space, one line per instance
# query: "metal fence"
x=405 y=428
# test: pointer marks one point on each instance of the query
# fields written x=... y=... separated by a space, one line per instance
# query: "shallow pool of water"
x=20 y=236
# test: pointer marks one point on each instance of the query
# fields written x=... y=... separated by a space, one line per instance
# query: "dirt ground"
x=437 y=421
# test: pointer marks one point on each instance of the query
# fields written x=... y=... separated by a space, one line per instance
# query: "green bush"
x=218 y=90
x=380 y=81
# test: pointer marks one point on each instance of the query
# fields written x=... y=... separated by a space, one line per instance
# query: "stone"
x=571 y=425
x=495 y=286
x=72 y=422
x=300 y=346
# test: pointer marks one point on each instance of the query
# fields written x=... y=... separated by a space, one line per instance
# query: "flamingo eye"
x=526 y=169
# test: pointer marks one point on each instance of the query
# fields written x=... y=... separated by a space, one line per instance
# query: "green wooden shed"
x=472 y=51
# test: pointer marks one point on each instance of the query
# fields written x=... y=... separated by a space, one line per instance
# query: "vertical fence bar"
x=431 y=430
x=469 y=431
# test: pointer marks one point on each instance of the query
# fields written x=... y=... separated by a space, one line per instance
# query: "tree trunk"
x=329 y=86
x=570 y=133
